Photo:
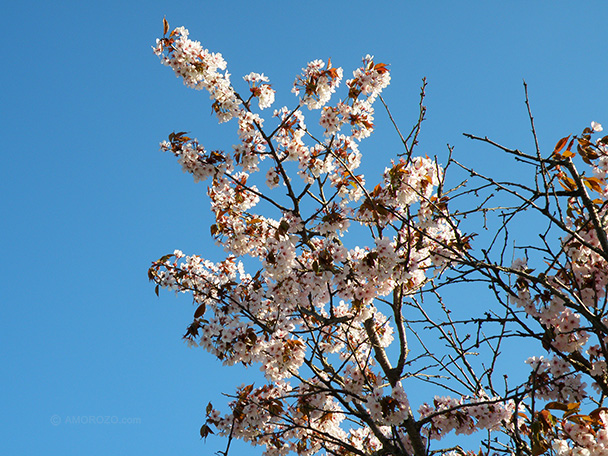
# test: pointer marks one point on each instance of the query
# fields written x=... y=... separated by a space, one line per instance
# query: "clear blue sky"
x=88 y=200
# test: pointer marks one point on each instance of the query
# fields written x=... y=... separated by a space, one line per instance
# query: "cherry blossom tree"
x=329 y=283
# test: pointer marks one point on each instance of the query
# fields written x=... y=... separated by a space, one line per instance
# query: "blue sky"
x=88 y=200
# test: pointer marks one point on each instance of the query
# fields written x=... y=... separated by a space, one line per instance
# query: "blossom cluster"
x=320 y=316
x=357 y=110
x=568 y=300
x=584 y=439
x=317 y=83
x=554 y=380
x=260 y=89
x=200 y=69
x=307 y=276
x=466 y=415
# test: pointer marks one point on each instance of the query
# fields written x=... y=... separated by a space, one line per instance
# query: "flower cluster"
x=466 y=415
x=568 y=301
x=260 y=89
x=369 y=80
x=317 y=82
x=584 y=439
x=308 y=277
x=389 y=410
x=554 y=380
x=357 y=111
x=194 y=158
x=200 y=69
x=323 y=318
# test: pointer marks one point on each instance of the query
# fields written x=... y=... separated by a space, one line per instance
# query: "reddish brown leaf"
x=570 y=144
x=205 y=431
x=381 y=68
x=556 y=406
x=568 y=154
x=595 y=414
x=580 y=419
x=568 y=183
x=165 y=258
x=593 y=183
x=200 y=311
x=539 y=447
x=246 y=391
x=560 y=144
x=573 y=408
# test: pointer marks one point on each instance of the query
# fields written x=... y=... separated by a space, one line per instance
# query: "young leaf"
x=568 y=183
x=164 y=258
x=557 y=406
x=560 y=144
x=200 y=311
x=246 y=391
x=205 y=431
x=568 y=153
